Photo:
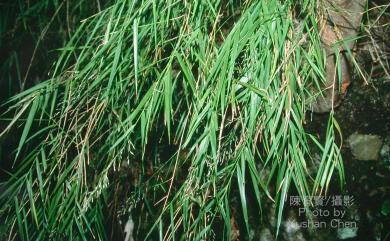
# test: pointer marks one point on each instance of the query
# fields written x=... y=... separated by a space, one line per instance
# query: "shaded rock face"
x=365 y=147
x=339 y=30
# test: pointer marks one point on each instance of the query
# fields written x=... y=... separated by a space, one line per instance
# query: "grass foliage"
x=223 y=85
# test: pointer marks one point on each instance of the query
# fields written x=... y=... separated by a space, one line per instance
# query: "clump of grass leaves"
x=223 y=84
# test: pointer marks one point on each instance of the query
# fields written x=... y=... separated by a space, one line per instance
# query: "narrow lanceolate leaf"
x=135 y=49
x=168 y=91
x=241 y=186
x=282 y=199
x=32 y=201
x=27 y=126
x=114 y=67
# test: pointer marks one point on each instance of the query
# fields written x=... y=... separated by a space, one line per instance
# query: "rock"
x=385 y=154
x=291 y=226
x=385 y=151
x=291 y=229
x=365 y=147
x=378 y=228
x=129 y=228
x=266 y=235
x=341 y=23
x=346 y=233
